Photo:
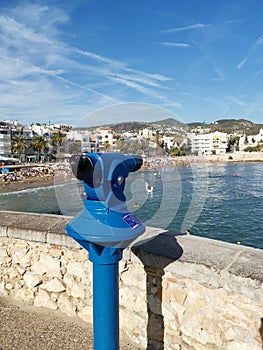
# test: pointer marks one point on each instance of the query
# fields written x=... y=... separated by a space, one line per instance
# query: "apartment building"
x=250 y=140
x=147 y=133
x=8 y=130
x=5 y=141
x=206 y=144
x=104 y=136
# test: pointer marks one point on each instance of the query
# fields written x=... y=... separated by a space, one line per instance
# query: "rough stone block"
x=75 y=268
x=48 y=265
x=32 y=279
x=42 y=299
x=22 y=294
x=65 y=304
x=179 y=296
x=53 y=286
x=85 y=314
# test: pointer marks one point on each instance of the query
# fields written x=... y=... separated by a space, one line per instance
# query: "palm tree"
x=40 y=144
x=119 y=144
x=18 y=145
x=57 y=139
x=106 y=146
x=135 y=146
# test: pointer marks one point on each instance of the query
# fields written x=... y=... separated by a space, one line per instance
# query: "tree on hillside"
x=158 y=139
x=135 y=147
x=176 y=152
x=233 y=143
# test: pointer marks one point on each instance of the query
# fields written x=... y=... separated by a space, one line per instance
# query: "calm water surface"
x=207 y=199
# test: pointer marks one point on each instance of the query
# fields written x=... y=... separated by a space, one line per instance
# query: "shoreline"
x=26 y=184
x=32 y=183
x=46 y=181
x=226 y=158
x=242 y=157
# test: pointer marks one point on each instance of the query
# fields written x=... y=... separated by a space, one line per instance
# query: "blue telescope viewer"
x=104 y=228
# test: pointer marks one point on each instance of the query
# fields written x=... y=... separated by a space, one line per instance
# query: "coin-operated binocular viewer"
x=104 y=228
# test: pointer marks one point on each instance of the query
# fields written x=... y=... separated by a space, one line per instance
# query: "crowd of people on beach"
x=35 y=172
x=8 y=175
x=153 y=163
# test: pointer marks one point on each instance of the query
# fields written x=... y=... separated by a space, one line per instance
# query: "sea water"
x=220 y=201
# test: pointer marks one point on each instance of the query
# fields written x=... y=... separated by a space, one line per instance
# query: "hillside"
x=169 y=122
x=231 y=126
x=136 y=125
x=128 y=126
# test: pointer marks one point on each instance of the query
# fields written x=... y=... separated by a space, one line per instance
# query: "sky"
x=69 y=61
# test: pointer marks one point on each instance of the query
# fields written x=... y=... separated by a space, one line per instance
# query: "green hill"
x=232 y=126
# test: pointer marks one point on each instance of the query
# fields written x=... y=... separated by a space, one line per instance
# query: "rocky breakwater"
x=176 y=292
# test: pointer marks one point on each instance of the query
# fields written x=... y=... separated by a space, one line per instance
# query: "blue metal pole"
x=105 y=296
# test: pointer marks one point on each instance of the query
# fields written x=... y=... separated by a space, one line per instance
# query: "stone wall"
x=176 y=292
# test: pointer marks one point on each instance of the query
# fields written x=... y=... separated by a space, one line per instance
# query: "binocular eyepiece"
x=83 y=165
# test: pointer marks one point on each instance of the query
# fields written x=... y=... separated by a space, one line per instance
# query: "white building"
x=92 y=141
x=147 y=133
x=8 y=130
x=259 y=136
x=40 y=129
x=169 y=142
x=47 y=129
x=5 y=141
x=206 y=144
x=251 y=140
x=103 y=136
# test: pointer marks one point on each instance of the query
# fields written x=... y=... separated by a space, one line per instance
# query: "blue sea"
x=219 y=201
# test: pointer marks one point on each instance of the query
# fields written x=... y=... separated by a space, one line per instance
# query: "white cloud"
x=45 y=74
x=18 y=31
x=235 y=21
x=186 y=28
x=259 y=72
x=251 y=51
x=242 y=63
x=259 y=41
x=121 y=66
x=235 y=100
x=180 y=45
x=42 y=76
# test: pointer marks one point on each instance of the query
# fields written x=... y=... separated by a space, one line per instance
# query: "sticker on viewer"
x=131 y=220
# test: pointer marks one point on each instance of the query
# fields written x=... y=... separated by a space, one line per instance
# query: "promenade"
x=29 y=328
x=174 y=290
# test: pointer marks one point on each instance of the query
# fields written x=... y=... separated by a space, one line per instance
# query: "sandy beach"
x=26 y=184
x=33 y=182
